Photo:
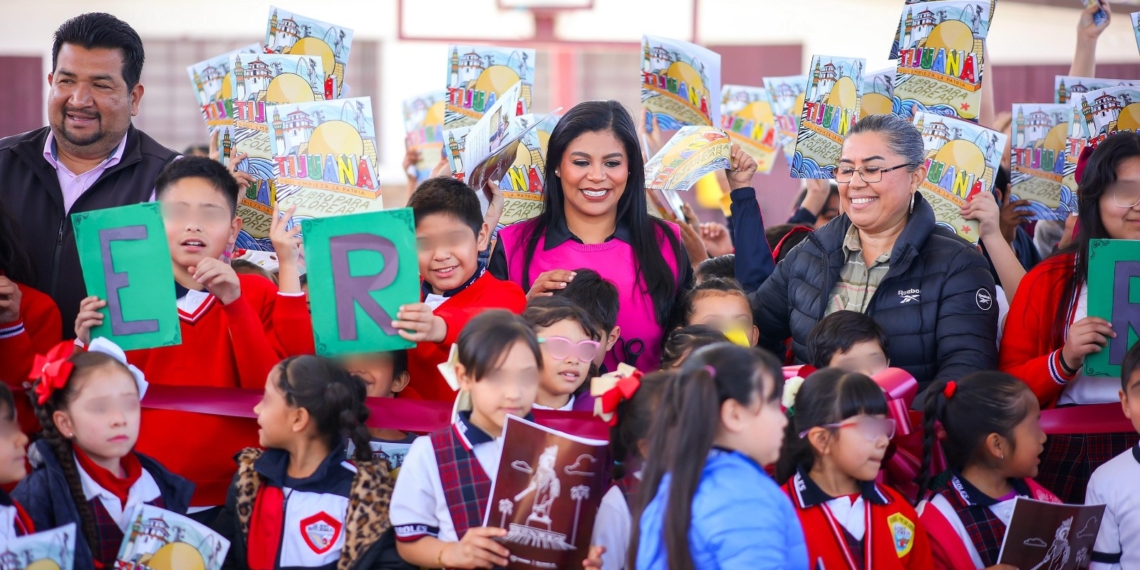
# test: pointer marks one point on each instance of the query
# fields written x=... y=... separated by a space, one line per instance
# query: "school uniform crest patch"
x=321 y=531
x=902 y=531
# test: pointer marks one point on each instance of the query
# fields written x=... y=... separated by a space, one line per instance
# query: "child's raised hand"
x=550 y=281
x=984 y=209
x=418 y=323
x=716 y=238
x=742 y=170
x=244 y=179
x=1087 y=336
x=477 y=549
x=10 y=297
x=286 y=243
x=218 y=278
x=89 y=317
x=1087 y=29
x=594 y=558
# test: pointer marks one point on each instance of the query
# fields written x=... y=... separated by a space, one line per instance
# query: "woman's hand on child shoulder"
x=88 y=318
x=550 y=281
x=418 y=323
x=10 y=297
x=218 y=278
x=477 y=549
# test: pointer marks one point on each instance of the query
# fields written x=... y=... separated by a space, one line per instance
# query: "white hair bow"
x=111 y=349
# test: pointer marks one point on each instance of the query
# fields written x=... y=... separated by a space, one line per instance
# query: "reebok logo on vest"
x=909 y=295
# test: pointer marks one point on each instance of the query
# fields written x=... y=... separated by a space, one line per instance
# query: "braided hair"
x=85 y=363
x=333 y=397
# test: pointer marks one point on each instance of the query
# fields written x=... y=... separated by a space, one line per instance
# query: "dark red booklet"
x=547 y=494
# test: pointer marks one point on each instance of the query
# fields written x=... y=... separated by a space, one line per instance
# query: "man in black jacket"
x=89 y=158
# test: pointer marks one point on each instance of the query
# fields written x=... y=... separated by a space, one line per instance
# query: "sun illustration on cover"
x=964 y=155
x=950 y=35
x=1129 y=119
x=843 y=94
x=316 y=47
x=685 y=73
x=175 y=556
x=758 y=112
x=435 y=114
x=335 y=138
x=43 y=564
x=289 y=88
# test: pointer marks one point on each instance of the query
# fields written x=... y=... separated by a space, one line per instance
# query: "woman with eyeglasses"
x=885 y=257
x=1049 y=332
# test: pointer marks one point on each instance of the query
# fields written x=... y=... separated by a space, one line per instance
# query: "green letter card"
x=126 y=262
x=361 y=268
x=1114 y=295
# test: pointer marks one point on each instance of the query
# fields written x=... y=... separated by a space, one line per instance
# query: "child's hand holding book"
x=418 y=323
x=287 y=246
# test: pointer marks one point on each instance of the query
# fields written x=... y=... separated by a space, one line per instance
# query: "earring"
x=557 y=174
x=912 y=202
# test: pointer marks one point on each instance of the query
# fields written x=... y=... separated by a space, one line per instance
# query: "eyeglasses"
x=871 y=428
x=1125 y=195
x=869 y=174
x=560 y=348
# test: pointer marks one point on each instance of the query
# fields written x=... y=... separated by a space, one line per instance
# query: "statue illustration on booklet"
x=324 y=155
x=787 y=96
x=160 y=539
x=940 y=58
x=213 y=86
x=1050 y=536
x=878 y=93
x=831 y=108
x=1040 y=172
x=747 y=117
x=479 y=75
x=962 y=160
x=294 y=34
x=260 y=82
x=48 y=550
x=680 y=84
x=546 y=495
x=423 y=125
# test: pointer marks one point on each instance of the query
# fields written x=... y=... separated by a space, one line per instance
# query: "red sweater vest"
x=36 y=332
x=485 y=293
x=895 y=537
x=1029 y=350
x=226 y=346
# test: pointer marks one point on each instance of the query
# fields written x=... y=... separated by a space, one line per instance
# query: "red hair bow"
x=52 y=370
x=950 y=389
x=612 y=389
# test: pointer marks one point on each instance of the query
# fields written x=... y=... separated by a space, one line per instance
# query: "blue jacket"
x=740 y=520
x=45 y=496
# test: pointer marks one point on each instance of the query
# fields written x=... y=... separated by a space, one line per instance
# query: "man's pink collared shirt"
x=74 y=185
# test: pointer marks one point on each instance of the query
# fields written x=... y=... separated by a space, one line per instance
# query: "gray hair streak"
x=903 y=138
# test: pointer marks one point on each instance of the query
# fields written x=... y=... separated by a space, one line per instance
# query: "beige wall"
x=1021 y=33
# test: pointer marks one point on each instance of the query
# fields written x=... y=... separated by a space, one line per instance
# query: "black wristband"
x=1065 y=365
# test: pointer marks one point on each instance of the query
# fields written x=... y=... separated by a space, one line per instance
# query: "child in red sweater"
x=450 y=233
x=234 y=328
x=29 y=320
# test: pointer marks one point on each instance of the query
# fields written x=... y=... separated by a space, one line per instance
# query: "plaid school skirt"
x=1070 y=459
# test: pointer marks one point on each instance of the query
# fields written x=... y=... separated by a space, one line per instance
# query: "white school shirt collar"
x=143 y=491
x=569 y=407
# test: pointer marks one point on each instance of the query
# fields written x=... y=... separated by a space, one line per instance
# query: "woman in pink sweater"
x=595 y=216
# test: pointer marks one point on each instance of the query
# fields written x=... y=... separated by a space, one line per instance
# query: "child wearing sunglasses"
x=570 y=340
x=993 y=440
x=833 y=450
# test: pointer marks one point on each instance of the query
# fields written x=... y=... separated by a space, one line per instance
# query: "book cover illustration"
x=1050 y=536
x=940 y=59
x=680 y=83
x=981 y=24
x=291 y=33
x=1110 y=110
x=831 y=108
x=787 y=95
x=223 y=141
x=213 y=85
x=546 y=495
x=691 y=154
x=666 y=203
x=1135 y=16
x=276 y=78
x=747 y=117
x=1067 y=87
x=524 y=183
x=48 y=550
x=479 y=75
x=423 y=125
x=392 y=452
x=1039 y=169
x=1100 y=16
x=159 y=539
x=324 y=155
x=962 y=160
x=878 y=93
